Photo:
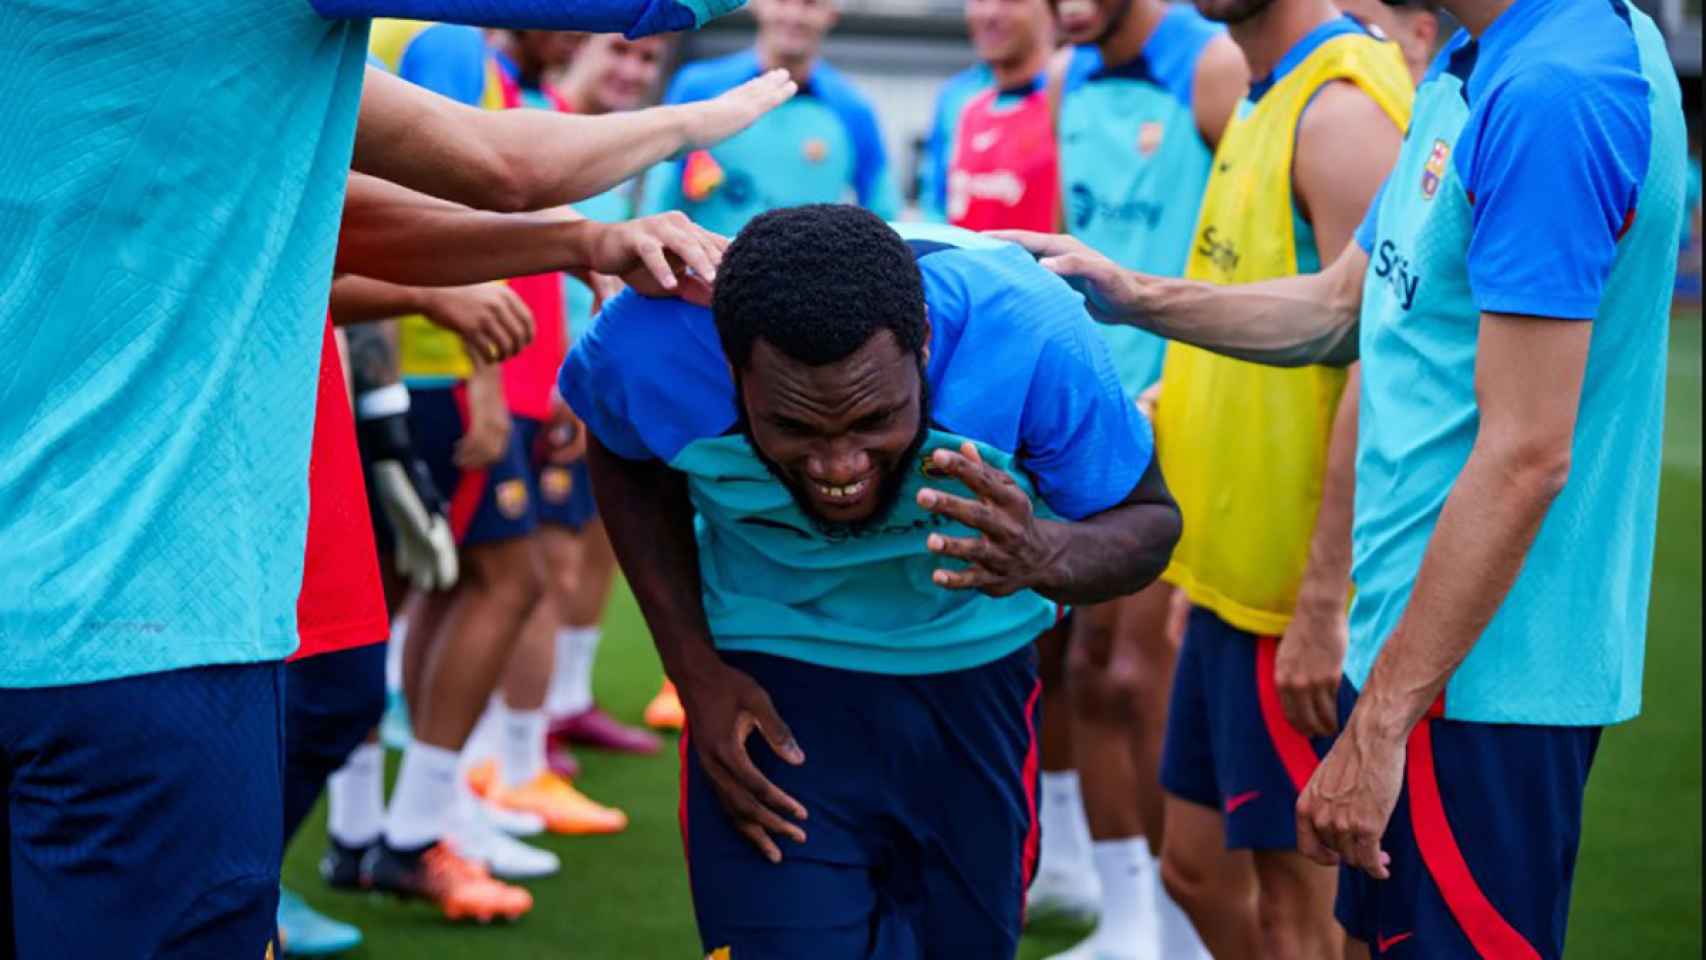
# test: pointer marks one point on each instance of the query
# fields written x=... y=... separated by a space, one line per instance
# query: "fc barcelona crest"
x=1434 y=171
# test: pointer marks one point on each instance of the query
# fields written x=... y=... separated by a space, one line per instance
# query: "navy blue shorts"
x=562 y=493
x=142 y=815
x=1483 y=843
x=332 y=701
x=486 y=505
x=1229 y=745
x=922 y=830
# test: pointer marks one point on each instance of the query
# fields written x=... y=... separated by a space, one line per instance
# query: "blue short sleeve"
x=1371 y=220
x=1086 y=445
x=649 y=377
x=1552 y=160
x=448 y=60
x=871 y=181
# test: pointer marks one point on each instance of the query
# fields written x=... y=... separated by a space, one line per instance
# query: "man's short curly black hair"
x=816 y=283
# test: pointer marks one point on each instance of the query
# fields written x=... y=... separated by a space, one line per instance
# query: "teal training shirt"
x=171 y=183
x=1133 y=165
x=1542 y=176
x=823 y=146
x=1014 y=366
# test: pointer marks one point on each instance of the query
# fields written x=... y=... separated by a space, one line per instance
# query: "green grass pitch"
x=1638 y=887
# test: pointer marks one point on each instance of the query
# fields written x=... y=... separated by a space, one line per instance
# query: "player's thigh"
x=820 y=901
x=1196 y=866
x=146 y=815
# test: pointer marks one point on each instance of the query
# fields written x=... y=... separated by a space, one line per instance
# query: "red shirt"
x=1005 y=172
x=529 y=375
x=342 y=603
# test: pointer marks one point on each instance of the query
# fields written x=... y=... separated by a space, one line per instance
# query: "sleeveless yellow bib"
x=1243 y=446
x=426 y=351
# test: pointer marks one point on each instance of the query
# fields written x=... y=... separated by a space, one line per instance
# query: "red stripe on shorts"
x=1491 y=934
x=471 y=485
x=681 y=803
x=1293 y=748
x=1033 y=760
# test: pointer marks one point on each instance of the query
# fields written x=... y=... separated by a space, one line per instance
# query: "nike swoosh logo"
x=1386 y=943
x=1238 y=800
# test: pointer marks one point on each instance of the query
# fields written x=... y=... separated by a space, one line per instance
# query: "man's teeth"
x=842 y=493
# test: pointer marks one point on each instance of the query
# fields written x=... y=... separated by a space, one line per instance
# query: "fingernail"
x=940 y=577
x=926 y=498
x=934 y=541
x=942 y=457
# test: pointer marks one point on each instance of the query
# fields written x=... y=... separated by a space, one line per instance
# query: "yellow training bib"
x=1244 y=446
x=426 y=351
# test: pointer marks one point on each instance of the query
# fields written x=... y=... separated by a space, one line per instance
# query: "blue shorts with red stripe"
x=1483 y=843
x=486 y=505
x=922 y=834
x=562 y=492
x=1229 y=745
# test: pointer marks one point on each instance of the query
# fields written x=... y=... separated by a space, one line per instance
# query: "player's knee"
x=1106 y=694
x=1187 y=883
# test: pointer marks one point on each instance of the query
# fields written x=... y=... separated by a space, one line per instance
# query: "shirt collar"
x=1336 y=27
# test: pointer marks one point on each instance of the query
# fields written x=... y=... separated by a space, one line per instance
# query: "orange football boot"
x=665 y=712
x=564 y=809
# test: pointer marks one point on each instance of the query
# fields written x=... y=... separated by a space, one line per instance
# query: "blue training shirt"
x=1542 y=175
x=823 y=146
x=1014 y=366
x=1133 y=165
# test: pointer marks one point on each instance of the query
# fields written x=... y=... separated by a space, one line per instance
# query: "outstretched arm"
x=1290 y=322
x=636 y=18
x=512 y=160
x=395 y=234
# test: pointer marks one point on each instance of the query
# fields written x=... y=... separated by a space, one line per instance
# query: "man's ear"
x=925 y=351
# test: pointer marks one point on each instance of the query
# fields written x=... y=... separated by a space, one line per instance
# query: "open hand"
x=724 y=709
x=1109 y=290
x=710 y=122
x=1014 y=549
x=661 y=255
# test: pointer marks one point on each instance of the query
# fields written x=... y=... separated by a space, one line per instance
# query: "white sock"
x=523 y=755
x=394 y=653
x=355 y=797
x=1178 y=937
x=1126 y=868
x=422 y=803
x=485 y=741
x=571 y=679
x=1065 y=832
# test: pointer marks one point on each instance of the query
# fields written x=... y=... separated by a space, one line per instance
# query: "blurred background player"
x=1003 y=167
x=821 y=147
x=524 y=777
x=1418 y=27
x=1263 y=466
x=938 y=148
x=1142 y=104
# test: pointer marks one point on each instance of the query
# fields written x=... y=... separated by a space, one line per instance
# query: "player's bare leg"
x=1295 y=906
x=476 y=632
x=1103 y=666
x=1216 y=886
x=581 y=590
x=520 y=780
